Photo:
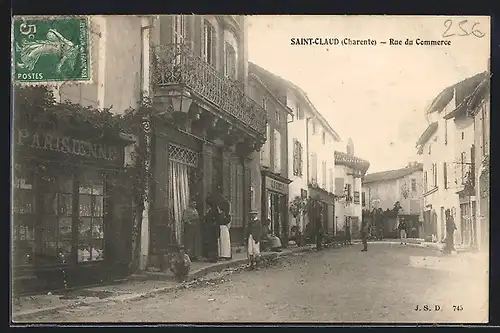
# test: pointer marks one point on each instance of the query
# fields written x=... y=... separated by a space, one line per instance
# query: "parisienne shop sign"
x=65 y=144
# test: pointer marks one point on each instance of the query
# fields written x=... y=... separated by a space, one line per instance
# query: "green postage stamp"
x=51 y=49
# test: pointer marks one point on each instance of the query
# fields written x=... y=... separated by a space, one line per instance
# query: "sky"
x=376 y=95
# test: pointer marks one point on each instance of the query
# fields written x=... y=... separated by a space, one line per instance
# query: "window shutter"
x=445 y=175
x=277 y=151
x=300 y=160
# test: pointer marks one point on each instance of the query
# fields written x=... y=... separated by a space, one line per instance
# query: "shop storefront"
x=188 y=167
x=275 y=204
x=322 y=205
x=71 y=209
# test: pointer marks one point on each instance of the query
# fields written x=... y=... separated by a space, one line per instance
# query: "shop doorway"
x=276 y=204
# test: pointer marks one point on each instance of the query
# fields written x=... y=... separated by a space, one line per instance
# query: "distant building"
x=447 y=147
x=310 y=158
x=384 y=189
x=349 y=171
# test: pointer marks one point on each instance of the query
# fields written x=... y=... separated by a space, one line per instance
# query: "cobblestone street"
x=385 y=284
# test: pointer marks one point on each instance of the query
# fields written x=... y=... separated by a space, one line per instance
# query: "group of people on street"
x=208 y=237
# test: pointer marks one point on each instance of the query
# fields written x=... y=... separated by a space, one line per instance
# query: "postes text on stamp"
x=51 y=49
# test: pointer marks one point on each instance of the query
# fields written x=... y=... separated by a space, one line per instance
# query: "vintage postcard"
x=228 y=168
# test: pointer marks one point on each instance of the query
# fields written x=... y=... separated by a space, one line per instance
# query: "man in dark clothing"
x=403 y=231
x=364 y=234
x=319 y=233
x=211 y=231
x=450 y=230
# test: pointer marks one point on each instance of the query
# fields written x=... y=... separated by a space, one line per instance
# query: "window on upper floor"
x=446 y=132
x=209 y=43
x=179 y=29
x=484 y=135
x=277 y=151
x=434 y=175
x=430 y=149
x=277 y=116
x=314 y=167
x=297 y=158
x=445 y=175
x=313 y=128
x=463 y=135
x=264 y=103
x=425 y=182
x=230 y=61
x=323 y=174
x=299 y=112
x=331 y=180
x=463 y=166
x=323 y=138
x=414 y=185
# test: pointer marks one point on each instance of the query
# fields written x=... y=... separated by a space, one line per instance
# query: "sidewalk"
x=137 y=286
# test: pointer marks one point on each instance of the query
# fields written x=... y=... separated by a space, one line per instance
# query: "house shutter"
x=300 y=159
x=277 y=151
x=445 y=175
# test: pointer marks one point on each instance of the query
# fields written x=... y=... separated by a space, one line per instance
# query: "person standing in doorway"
x=403 y=231
x=211 y=231
x=192 y=231
x=364 y=234
x=224 y=220
x=450 y=230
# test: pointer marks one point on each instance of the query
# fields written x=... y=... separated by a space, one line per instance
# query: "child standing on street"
x=402 y=231
x=252 y=239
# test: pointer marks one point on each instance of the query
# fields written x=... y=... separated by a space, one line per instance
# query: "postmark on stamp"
x=51 y=50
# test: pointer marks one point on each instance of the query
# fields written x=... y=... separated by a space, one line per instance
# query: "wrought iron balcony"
x=177 y=65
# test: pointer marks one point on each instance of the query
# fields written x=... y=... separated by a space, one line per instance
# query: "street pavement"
x=385 y=284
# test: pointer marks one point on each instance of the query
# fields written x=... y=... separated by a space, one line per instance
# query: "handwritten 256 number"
x=463 y=28
x=428 y=308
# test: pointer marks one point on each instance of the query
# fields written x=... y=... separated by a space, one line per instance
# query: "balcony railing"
x=177 y=65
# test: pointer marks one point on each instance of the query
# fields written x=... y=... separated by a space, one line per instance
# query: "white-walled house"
x=447 y=150
x=349 y=171
x=383 y=189
x=310 y=141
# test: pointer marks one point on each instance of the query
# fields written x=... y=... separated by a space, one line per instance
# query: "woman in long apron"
x=225 y=224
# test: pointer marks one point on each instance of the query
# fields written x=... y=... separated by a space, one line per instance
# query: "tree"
x=298 y=206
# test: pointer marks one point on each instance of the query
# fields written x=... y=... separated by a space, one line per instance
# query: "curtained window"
x=182 y=181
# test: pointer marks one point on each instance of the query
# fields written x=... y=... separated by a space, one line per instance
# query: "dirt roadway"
x=336 y=285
